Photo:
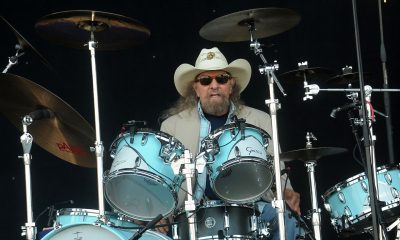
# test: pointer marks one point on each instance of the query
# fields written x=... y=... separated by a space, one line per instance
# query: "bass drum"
x=348 y=202
x=219 y=221
x=141 y=183
x=241 y=170
x=73 y=223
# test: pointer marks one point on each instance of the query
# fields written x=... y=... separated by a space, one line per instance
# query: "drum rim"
x=159 y=135
x=232 y=162
x=87 y=211
x=125 y=171
x=245 y=159
x=351 y=180
x=219 y=204
x=216 y=133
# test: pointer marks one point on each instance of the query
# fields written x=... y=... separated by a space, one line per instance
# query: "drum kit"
x=151 y=173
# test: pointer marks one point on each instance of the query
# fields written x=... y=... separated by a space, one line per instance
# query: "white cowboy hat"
x=212 y=59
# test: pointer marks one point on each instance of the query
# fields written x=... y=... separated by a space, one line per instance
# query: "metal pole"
x=278 y=203
x=316 y=212
x=386 y=99
x=367 y=140
x=26 y=140
x=99 y=149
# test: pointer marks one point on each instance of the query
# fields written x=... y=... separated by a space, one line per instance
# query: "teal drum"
x=74 y=223
x=241 y=170
x=348 y=202
x=141 y=182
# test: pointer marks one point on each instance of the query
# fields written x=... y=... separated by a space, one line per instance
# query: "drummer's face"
x=214 y=89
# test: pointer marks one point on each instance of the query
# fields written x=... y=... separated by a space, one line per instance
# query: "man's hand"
x=163 y=221
x=293 y=200
x=163 y=229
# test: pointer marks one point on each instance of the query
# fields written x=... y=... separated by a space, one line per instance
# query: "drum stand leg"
x=190 y=206
x=29 y=230
x=395 y=224
x=316 y=212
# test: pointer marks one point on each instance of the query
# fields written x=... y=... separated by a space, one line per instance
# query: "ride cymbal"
x=310 y=154
x=66 y=134
x=74 y=28
x=235 y=27
x=315 y=73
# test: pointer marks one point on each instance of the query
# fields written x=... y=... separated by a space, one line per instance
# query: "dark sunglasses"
x=221 y=79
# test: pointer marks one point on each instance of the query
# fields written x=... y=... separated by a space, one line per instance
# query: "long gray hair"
x=191 y=100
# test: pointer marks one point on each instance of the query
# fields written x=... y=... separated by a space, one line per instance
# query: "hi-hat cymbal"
x=67 y=135
x=315 y=73
x=347 y=78
x=74 y=28
x=311 y=154
x=25 y=45
x=234 y=27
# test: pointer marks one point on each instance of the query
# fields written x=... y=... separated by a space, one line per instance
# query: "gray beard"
x=216 y=109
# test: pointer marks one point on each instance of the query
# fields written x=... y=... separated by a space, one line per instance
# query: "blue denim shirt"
x=205 y=128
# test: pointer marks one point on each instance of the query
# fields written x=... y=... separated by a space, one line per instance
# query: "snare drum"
x=348 y=202
x=240 y=168
x=141 y=183
x=73 y=223
x=219 y=221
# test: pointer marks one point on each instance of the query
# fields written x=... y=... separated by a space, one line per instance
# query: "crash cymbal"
x=347 y=78
x=310 y=154
x=25 y=45
x=67 y=135
x=73 y=29
x=315 y=73
x=234 y=27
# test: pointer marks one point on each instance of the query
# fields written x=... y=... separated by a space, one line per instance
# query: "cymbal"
x=317 y=73
x=74 y=28
x=234 y=27
x=347 y=78
x=310 y=154
x=26 y=45
x=67 y=135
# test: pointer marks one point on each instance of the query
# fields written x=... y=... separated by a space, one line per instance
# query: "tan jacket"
x=186 y=124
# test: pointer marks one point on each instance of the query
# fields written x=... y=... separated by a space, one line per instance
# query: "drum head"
x=140 y=197
x=232 y=184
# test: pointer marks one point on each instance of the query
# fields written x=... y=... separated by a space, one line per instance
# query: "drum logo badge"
x=209 y=222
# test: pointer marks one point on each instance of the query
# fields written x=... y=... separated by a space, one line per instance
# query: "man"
x=210 y=97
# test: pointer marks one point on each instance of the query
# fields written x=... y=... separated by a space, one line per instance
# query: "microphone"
x=343 y=108
x=149 y=225
x=51 y=209
x=239 y=123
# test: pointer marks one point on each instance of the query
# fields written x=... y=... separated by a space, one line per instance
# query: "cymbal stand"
x=373 y=189
x=29 y=230
x=99 y=148
x=315 y=212
x=379 y=231
x=268 y=71
x=189 y=170
x=14 y=59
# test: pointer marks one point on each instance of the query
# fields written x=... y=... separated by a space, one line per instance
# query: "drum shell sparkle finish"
x=241 y=170
x=74 y=223
x=348 y=202
x=212 y=218
x=141 y=183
